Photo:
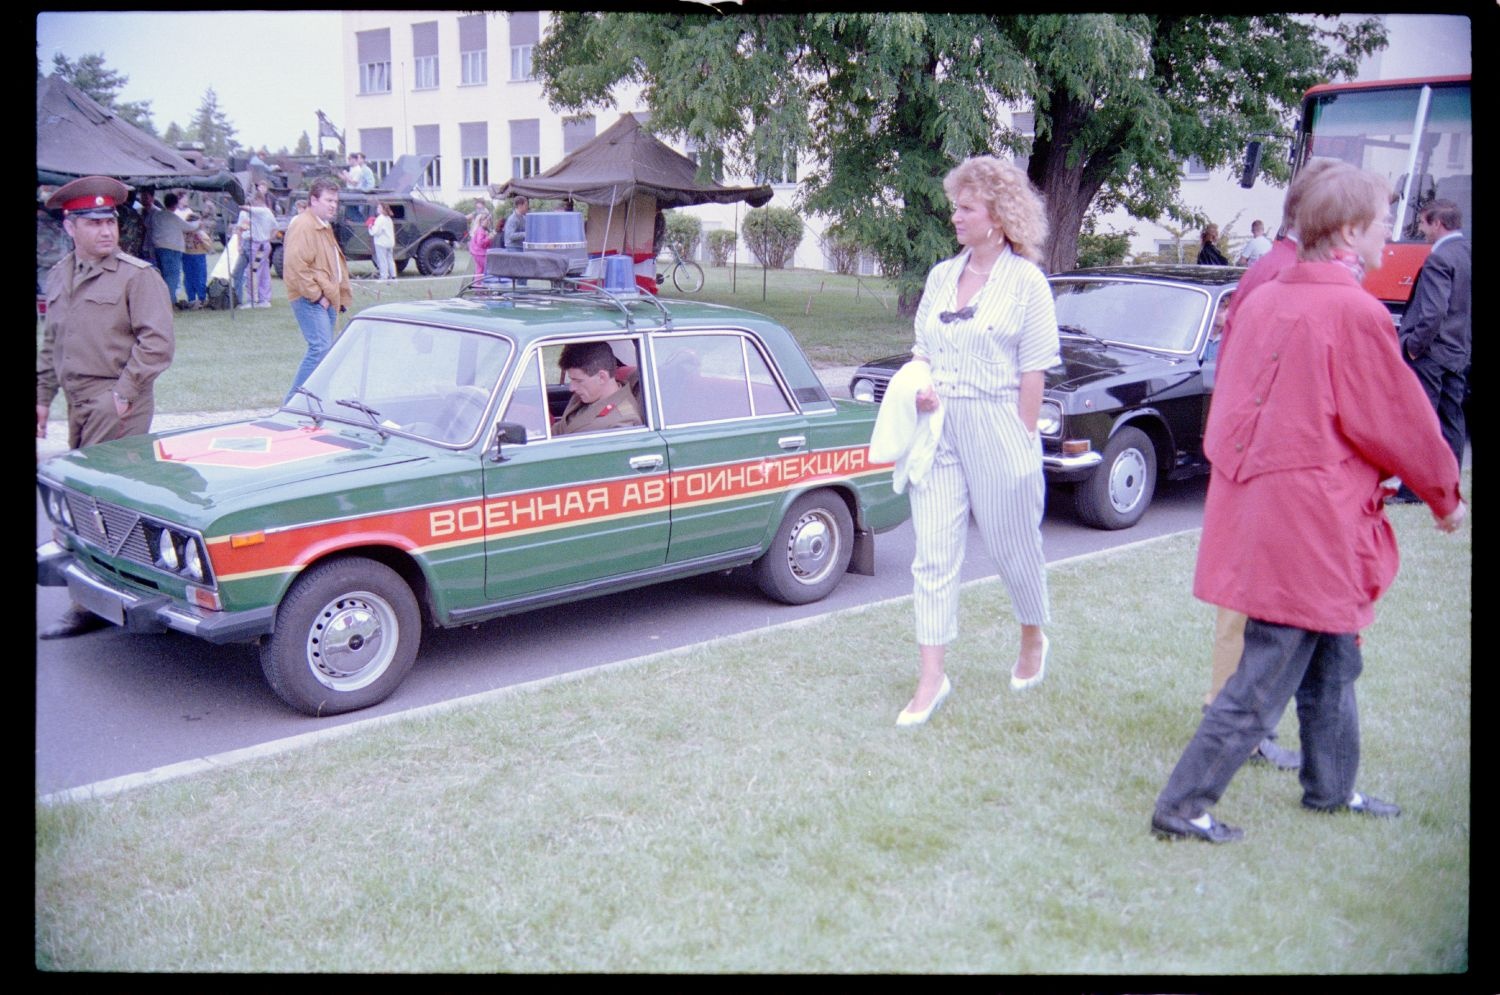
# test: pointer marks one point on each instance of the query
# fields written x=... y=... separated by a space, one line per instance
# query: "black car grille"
x=880 y=386
x=110 y=526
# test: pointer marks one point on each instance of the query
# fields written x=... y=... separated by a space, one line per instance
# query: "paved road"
x=111 y=704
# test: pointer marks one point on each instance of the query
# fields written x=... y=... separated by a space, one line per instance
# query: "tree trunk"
x=1068 y=189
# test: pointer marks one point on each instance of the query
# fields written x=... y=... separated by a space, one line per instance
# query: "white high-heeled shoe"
x=1022 y=683
x=911 y=718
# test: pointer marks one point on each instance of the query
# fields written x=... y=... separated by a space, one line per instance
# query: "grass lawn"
x=245 y=359
x=750 y=806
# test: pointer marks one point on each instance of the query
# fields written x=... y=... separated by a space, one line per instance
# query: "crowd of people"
x=1322 y=413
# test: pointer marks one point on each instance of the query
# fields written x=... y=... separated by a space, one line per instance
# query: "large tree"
x=883 y=105
x=103 y=84
x=212 y=127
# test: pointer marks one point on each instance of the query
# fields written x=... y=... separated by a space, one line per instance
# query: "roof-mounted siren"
x=560 y=232
x=619 y=276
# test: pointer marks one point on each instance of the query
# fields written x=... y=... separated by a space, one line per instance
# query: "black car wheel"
x=435 y=257
x=278 y=257
x=346 y=636
x=1120 y=489
x=811 y=550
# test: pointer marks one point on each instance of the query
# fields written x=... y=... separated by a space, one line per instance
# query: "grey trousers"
x=1280 y=662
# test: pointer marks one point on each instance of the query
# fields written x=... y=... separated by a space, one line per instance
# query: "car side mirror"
x=508 y=433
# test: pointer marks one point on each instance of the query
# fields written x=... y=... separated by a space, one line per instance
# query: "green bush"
x=1108 y=249
x=843 y=249
x=683 y=233
x=721 y=242
x=772 y=235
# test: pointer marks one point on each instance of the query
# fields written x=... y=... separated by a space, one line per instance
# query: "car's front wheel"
x=278 y=260
x=1119 y=491
x=346 y=636
x=435 y=257
x=811 y=550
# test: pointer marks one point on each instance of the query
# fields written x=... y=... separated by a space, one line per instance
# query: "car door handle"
x=792 y=441
x=651 y=462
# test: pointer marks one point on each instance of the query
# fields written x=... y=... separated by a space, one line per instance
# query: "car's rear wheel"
x=811 y=550
x=1120 y=489
x=435 y=257
x=346 y=637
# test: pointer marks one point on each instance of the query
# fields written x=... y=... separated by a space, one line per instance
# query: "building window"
x=378 y=145
x=1193 y=169
x=779 y=168
x=525 y=32
x=424 y=50
x=474 y=148
x=1024 y=122
x=577 y=132
x=525 y=148
x=374 y=54
x=425 y=141
x=520 y=62
x=473 y=50
x=709 y=160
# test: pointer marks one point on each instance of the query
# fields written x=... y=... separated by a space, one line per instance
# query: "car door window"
x=528 y=402
x=703 y=378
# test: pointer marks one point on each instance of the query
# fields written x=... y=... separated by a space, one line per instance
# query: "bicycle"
x=687 y=276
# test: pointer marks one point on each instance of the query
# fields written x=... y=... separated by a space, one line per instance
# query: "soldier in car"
x=599 y=401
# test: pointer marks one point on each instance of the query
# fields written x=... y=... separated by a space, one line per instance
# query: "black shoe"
x=74 y=622
x=1277 y=756
x=1174 y=827
x=1366 y=805
x=1403 y=498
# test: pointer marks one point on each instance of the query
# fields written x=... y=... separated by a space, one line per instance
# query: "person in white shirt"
x=1258 y=245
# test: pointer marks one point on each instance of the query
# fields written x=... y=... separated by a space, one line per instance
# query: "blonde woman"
x=986 y=329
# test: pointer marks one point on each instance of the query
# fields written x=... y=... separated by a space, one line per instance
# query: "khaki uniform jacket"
x=108 y=324
x=313 y=265
x=615 y=411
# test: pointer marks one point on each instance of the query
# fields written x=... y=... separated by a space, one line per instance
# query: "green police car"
x=418 y=478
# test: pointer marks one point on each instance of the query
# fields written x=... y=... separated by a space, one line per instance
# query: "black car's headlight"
x=862 y=389
x=1049 y=420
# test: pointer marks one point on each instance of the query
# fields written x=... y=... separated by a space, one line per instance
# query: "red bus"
x=1418 y=134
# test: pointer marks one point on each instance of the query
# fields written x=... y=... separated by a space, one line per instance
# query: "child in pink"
x=479 y=244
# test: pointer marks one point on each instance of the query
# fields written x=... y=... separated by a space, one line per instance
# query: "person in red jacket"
x=1315 y=411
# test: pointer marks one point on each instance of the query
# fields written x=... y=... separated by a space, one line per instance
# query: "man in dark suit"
x=1436 y=329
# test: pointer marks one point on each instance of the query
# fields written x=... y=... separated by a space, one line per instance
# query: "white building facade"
x=461 y=87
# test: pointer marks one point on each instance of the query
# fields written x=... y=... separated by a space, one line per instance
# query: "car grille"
x=880 y=386
x=116 y=529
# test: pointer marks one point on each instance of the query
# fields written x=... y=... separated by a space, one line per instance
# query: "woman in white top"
x=987 y=329
x=384 y=236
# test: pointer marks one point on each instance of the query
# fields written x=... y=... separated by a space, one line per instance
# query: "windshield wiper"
x=317 y=416
x=370 y=413
x=1075 y=330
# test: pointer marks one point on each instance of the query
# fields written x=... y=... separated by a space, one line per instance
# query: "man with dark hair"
x=1436 y=330
x=515 y=224
x=316 y=274
x=108 y=336
x=599 y=401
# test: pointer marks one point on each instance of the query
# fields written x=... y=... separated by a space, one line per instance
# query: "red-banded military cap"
x=90 y=197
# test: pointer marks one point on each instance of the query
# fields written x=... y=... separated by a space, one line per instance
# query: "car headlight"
x=166 y=551
x=862 y=389
x=1049 y=419
x=192 y=561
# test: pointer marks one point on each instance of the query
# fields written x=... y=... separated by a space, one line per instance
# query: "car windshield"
x=1149 y=315
x=433 y=383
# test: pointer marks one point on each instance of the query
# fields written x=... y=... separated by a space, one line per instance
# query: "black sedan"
x=1128 y=403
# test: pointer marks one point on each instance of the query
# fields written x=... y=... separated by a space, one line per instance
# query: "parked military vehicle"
x=426 y=232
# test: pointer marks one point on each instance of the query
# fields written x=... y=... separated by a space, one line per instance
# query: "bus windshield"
x=1373 y=129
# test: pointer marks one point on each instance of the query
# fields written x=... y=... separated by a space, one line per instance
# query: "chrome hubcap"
x=352 y=641
x=811 y=549
x=1127 y=480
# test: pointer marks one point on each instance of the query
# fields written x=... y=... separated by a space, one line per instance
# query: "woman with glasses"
x=985 y=331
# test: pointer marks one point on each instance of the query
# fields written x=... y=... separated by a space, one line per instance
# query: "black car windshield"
x=431 y=382
x=1131 y=312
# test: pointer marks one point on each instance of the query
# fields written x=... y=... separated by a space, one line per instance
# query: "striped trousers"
x=986 y=464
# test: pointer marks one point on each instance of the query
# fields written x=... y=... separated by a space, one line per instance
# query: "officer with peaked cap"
x=108 y=335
